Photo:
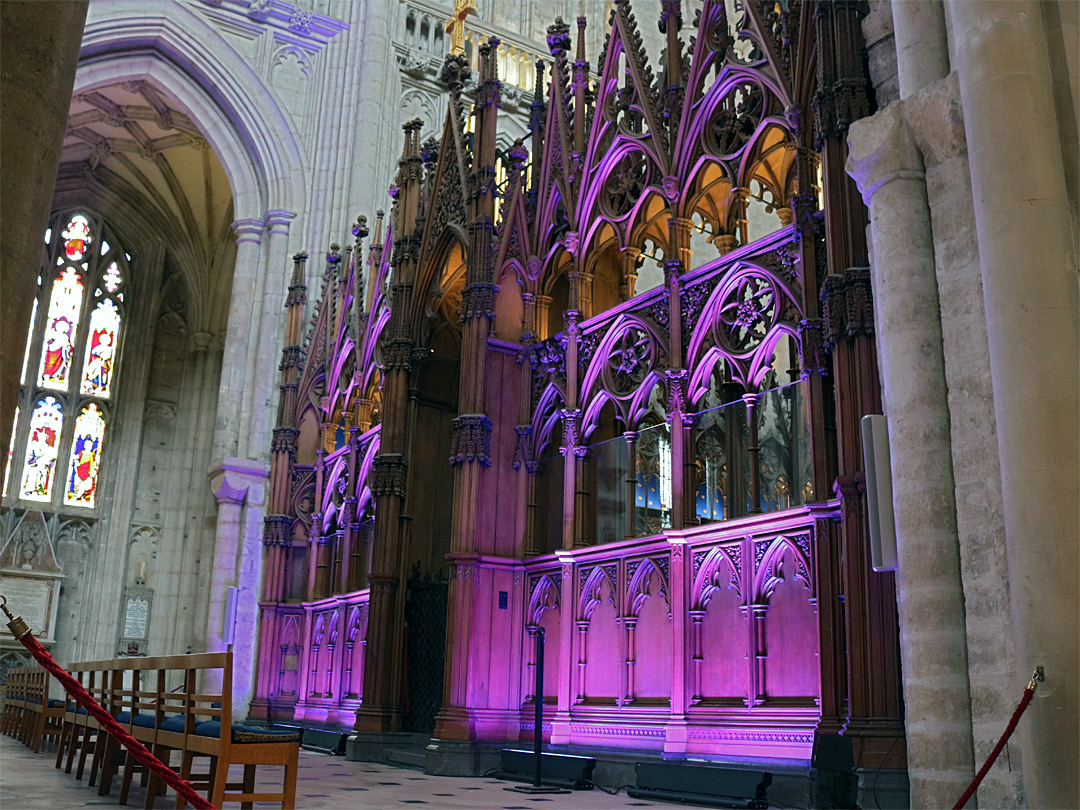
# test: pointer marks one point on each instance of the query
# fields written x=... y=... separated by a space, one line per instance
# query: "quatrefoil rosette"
x=747 y=312
x=741 y=322
x=623 y=368
x=629 y=359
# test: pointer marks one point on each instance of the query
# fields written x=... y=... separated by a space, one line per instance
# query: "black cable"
x=607 y=790
x=879 y=767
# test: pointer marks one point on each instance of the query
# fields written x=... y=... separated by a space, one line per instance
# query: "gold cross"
x=455 y=26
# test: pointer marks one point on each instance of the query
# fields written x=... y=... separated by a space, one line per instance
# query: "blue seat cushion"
x=173 y=722
x=57 y=703
x=247 y=734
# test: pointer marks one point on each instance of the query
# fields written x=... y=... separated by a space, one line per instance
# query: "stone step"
x=405 y=757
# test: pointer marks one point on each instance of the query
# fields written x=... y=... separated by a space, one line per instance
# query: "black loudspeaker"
x=833 y=782
x=556 y=769
x=701 y=784
x=321 y=740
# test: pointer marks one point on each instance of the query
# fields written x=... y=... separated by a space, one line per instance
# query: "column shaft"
x=888 y=168
x=1027 y=259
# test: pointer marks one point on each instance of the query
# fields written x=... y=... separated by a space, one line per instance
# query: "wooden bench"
x=167 y=703
x=30 y=716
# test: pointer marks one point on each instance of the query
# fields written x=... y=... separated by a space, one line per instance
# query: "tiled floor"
x=29 y=781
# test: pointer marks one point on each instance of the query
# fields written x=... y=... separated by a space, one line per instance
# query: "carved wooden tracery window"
x=69 y=366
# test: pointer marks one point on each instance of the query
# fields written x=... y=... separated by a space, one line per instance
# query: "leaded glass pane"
x=60 y=331
x=112 y=278
x=100 y=350
x=42 y=447
x=85 y=457
x=76 y=238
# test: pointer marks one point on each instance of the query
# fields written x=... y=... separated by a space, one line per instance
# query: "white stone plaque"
x=28 y=598
x=136 y=616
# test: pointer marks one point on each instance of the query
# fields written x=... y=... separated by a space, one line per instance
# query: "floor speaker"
x=701 y=784
x=556 y=769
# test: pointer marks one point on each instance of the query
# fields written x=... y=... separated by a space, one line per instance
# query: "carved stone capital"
x=881 y=150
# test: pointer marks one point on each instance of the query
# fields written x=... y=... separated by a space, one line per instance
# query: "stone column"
x=264 y=340
x=228 y=429
x=922 y=51
x=888 y=169
x=936 y=122
x=1028 y=265
x=37 y=72
x=238 y=486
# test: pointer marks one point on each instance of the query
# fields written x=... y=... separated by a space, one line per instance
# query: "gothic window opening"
x=652 y=494
x=73 y=347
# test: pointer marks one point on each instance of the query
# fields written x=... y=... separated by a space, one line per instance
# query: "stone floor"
x=29 y=781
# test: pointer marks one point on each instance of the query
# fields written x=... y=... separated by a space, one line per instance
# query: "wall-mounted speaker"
x=879 y=503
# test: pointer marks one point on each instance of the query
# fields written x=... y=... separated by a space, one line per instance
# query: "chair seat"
x=57 y=703
x=247 y=734
x=174 y=722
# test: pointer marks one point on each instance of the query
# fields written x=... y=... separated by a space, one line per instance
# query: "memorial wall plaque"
x=135 y=621
x=30 y=598
x=29 y=574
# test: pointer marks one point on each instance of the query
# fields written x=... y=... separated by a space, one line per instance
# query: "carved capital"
x=881 y=151
x=284 y=440
x=472 y=440
x=523 y=451
x=571 y=439
x=847 y=305
x=812 y=357
x=388 y=474
x=277 y=530
x=478 y=300
x=398 y=355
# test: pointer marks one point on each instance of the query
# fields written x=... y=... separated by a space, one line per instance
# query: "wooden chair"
x=165 y=703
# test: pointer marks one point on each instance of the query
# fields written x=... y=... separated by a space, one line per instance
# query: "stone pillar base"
x=365 y=746
x=460 y=758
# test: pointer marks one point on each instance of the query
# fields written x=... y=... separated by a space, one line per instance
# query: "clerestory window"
x=69 y=368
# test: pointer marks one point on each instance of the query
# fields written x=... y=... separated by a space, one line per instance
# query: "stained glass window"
x=11 y=449
x=85 y=457
x=100 y=349
x=42 y=448
x=77 y=332
x=29 y=342
x=111 y=278
x=76 y=237
x=59 y=341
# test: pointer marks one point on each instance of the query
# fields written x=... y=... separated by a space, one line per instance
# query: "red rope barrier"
x=1029 y=693
x=108 y=722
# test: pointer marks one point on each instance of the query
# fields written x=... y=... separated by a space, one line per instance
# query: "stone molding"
x=881 y=150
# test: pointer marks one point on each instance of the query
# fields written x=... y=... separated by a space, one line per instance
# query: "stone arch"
x=213 y=85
